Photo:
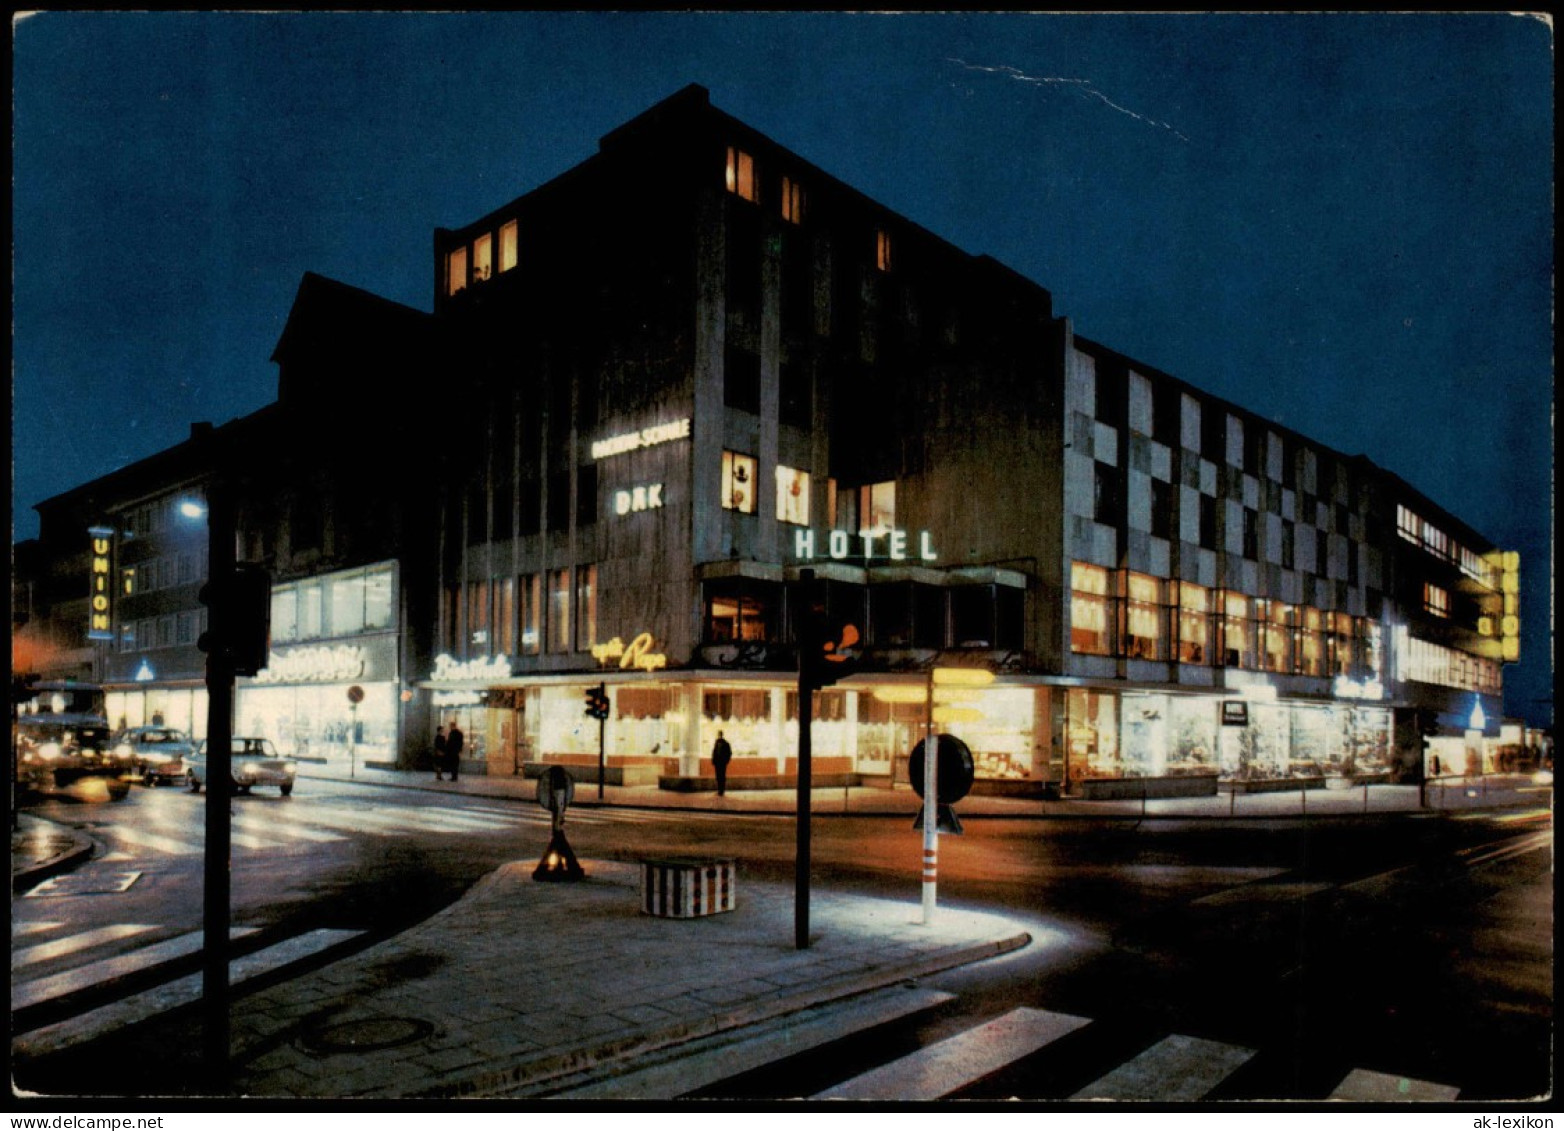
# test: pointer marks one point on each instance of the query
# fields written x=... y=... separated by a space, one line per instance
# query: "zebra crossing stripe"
x=54 y=986
x=953 y=1063
x=1175 y=1068
x=37 y=927
x=286 y=829
x=171 y=995
x=152 y=840
x=1363 y=1086
x=28 y=956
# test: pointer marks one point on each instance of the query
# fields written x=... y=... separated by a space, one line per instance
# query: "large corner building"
x=695 y=365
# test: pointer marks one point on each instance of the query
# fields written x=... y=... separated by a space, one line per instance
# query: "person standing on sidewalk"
x=439 y=753
x=453 y=750
x=721 y=755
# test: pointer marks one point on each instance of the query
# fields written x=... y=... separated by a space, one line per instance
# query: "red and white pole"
x=930 y=824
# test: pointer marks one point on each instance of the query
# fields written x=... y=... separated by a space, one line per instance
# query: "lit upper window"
x=507 y=245
x=792 y=201
x=792 y=495
x=1436 y=600
x=882 y=249
x=738 y=482
x=456 y=271
x=482 y=257
x=877 y=508
x=741 y=174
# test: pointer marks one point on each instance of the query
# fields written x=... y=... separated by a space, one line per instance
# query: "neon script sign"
x=320 y=664
x=98 y=625
x=645 y=438
x=839 y=544
x=638 y=654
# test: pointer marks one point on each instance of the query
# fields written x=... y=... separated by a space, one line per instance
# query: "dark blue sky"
x=1343 y=222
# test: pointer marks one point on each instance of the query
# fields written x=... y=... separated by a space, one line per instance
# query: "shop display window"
x=1145 y=719
x=744 y=717
x=1090 y=609
x=1001 y=741
x=1193 y=724
x=1143 y=616
x=887 y=732
x=1092 y=730
x=1194 y=614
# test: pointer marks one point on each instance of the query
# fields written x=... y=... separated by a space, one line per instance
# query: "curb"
x=60 y=862
x=495 y=1083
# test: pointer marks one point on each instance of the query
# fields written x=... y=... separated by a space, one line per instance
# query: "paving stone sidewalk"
x=521 y=981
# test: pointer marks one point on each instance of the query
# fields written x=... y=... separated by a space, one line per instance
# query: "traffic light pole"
x=217 y=888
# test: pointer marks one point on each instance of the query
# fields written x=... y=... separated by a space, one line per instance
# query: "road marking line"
x=152 y=840
x=1175 y=1068
x=39 y=990
x=72 y=943
x=182 y=991
x=1363 y=1086
x=942 y=1068
x=285 y=828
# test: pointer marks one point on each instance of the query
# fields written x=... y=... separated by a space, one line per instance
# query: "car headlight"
x=123 y=751
x=289 y=767
x=49 y=751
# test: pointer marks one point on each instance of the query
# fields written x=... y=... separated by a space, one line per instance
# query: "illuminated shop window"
x=285 y=615
x=882 y=249
x=1143 y=616
x=586 y=607
x=792 y=495
x=1194 y=617
x=1237 y=632
x=507 y=245
x=531 y=614
x=482 y=257
x=738 y=482
x=792 y=201
x=559 y=610
x=456 y=271
x=741 y=174
x=1308 y=652
x=1436 y=600
x=1091 y=617
x=877 y=507
x=1275 y=622
x=1092 y=728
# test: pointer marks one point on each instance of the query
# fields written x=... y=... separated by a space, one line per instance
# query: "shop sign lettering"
x=645 y=438
x=638 y=654
x=98 y=622
x=324 y=663
x=647 y=498
x=890 y=545
x=486 y=667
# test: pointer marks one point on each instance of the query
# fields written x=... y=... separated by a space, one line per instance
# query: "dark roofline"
x=313 y=287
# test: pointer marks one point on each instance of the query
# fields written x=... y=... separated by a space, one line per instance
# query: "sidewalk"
x=520 y=983
x=40 y=849
x=1442 y=795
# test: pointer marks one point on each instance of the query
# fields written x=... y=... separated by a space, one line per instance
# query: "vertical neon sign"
x=99 y=622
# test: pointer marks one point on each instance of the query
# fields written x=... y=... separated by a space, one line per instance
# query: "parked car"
x=255 y=762
x=57 y=750
x=157 y=753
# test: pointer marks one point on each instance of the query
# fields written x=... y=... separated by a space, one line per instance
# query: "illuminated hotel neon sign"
x=99 y=625
x=839 y=544
x=638 y=654
x=645 y=438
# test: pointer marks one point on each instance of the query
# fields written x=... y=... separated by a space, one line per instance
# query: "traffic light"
x=597 y=702
x=828 y=647
x=240 y=617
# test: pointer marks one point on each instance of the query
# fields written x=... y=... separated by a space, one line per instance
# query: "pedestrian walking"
x=721 y=755
x=440 y=746
x=453 y=750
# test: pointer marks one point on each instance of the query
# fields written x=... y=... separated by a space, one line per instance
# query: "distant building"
x=655 y=389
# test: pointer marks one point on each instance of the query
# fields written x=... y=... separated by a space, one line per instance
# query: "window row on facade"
x=163 y=573
x=1420 y=532
x=172 y=630
x=477 y=263
x=743 y=181
x=554 y=611
x=336 y=604
x=1140 y=617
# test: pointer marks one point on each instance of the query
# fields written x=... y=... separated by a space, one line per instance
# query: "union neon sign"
x=99 y=625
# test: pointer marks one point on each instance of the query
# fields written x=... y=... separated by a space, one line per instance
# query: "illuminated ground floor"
x=1026 y=736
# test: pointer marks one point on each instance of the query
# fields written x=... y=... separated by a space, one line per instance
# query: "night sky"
x=1341 y=222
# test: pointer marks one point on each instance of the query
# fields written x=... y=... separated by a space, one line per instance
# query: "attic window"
x=882 y=249
x=741 y=174
x=456 y=271
x=792 y=201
